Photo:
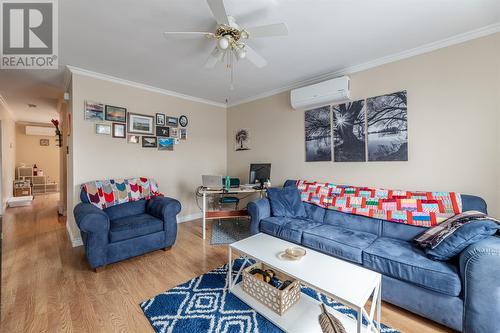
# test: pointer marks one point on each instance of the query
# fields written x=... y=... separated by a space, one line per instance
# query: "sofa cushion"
x=448 y=239
x=286 y=202
x=339 y=242
x=353 y=222
x=126 y=209
x=401 y=231
x=133 y=226
x=287 y=228
x=314 y=212
x=404 y=261
x=472 y=202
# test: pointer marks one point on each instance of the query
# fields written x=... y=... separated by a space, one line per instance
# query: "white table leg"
x=204 y=214
x=229 y=269
x=379 y=306
x=360 y=320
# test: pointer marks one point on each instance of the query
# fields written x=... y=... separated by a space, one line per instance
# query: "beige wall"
x=178 y=172
x=29 y=152
x=8 y=154
x=453 y=119
x=63 y=121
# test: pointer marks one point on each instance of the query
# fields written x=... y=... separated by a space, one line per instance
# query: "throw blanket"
x=425 y=209
x=111 y=192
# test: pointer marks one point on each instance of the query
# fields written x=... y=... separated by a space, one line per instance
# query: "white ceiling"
x=123 y=38
x=41 y=88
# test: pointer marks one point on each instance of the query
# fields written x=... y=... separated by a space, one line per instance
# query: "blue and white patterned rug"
x=204 y=305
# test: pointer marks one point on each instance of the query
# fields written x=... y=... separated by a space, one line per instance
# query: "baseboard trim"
x=190 y=217
x=75 y=241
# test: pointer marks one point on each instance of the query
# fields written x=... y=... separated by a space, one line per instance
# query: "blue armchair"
x=126 y=230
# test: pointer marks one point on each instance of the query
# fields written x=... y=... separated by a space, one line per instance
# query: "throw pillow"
x=452 y=236
x=286 y=202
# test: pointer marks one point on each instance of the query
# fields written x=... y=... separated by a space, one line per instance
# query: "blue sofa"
x=126 y=230
x=463 y=294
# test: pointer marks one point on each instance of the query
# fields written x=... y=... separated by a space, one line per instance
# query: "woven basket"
x=277 y=300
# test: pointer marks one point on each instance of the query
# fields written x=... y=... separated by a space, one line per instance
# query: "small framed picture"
x=149 y=142
x=162 y=131
x=183 y=133
x=160 y=119
x=174 y=132
x=104 y=129
x=183 y=121
x=172 y=121
x=116 y=114
x=44 y=142
x=132 y=138
x=140 y=123
x=94 y=111
x=118 y=130
x=165 y=143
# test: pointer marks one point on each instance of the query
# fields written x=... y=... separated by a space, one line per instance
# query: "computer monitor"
x=260 y=172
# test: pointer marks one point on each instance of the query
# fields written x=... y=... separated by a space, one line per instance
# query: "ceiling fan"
x=230 y=38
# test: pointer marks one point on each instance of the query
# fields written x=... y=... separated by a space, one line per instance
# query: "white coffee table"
x=347 y=283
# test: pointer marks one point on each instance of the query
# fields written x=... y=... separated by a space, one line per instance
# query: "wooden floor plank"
x=48 y=286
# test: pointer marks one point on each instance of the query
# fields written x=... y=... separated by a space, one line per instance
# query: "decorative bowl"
x=295 y=253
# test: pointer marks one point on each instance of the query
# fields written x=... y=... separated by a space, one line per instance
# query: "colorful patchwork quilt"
x=425 y=209
x=111 y=192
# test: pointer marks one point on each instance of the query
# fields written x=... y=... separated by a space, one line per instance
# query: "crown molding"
x=105 y=77
x=457 y=39
x=7 y=108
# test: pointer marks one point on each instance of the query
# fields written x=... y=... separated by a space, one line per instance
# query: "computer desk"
x=224 y=214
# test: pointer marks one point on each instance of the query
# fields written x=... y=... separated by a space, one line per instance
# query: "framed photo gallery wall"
x=160 y=131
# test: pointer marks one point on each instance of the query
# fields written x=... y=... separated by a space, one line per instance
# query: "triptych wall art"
x=318 y=135
x=159 y=131
x=375 y=129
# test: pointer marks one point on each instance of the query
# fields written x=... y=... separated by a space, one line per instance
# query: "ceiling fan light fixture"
x=240 y=52
x=223 y=43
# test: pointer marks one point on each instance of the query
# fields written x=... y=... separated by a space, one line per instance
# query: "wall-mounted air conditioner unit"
x=40 y=131
x=328 y=92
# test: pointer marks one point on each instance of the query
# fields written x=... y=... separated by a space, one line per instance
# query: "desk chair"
x=229 y=200
x=235 y=182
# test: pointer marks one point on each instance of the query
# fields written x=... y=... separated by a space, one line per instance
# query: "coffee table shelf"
x=345 y=282
x=300 y=318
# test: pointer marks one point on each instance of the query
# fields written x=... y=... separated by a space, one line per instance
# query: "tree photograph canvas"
x=349 y=132
x=318 y=134
x=387 y=127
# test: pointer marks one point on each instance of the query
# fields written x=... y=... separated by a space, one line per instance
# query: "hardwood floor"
x=47 y=286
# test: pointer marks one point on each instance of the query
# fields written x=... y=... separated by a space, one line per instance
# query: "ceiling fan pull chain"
x=231 y=87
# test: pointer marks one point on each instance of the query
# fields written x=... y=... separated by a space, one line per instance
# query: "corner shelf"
x=39 y=184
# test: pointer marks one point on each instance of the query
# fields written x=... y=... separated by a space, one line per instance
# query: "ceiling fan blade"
x=186 y=34
x=215 y=56
x=254 y=57
x=219 y=11
x=270 y=30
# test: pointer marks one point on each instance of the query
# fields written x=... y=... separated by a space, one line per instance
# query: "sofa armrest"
x=164 y=208
x=91 y=219
x=480 y=272
x=258 y=210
